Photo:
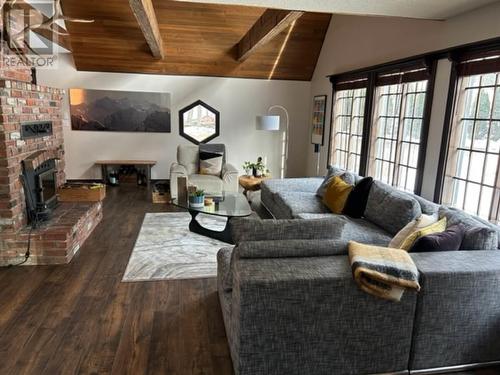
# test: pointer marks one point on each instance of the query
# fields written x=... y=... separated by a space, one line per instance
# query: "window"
x=347 y=128
x=396 y=133
x=471 y=180
x=198 y=122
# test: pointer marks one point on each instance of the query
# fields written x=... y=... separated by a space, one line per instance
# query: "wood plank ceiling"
x=198 y=39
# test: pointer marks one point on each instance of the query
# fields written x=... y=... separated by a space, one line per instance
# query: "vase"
x=197 y=201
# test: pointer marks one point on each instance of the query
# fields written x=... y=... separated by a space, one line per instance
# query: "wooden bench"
x=143 y=163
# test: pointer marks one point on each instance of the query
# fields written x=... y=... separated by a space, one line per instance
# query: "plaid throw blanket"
x=381 y=271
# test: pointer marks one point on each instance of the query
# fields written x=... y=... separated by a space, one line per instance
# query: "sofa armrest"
x=176 y=170
x=247 y=229
x=291 y=248
x=339 y=324
x=230 y=177
x=229 y=170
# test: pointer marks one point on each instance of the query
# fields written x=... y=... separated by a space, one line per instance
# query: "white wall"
x=237 y=100
x=354 y=42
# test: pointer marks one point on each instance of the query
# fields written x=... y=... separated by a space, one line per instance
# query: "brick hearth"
x=57 y=240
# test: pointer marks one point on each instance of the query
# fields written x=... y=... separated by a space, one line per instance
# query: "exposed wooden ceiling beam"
x=145 y=14
x=271 y=23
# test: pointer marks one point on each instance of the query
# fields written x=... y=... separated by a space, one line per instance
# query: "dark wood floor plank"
x=12 y=297
x=216 y=331
x=163 y=354
x=195 y=344
x=133 y=350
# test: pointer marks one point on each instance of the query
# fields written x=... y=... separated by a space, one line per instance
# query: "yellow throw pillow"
x=336 y=195
x=437 y=227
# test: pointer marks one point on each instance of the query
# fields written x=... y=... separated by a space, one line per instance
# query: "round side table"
x=250 y=183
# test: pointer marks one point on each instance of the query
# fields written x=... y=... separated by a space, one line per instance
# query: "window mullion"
x=402 y=105
x=472 y=145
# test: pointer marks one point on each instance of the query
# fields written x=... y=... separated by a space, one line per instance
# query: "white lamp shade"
x=269 y=123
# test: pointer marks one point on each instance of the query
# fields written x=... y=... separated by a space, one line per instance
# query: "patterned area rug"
x=167 y=250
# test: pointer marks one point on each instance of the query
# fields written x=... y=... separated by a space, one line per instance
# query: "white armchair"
x=188 y=160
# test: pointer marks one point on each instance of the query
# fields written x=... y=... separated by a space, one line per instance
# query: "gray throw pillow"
x=477 y=235
x=479 y=238
x=389 y=208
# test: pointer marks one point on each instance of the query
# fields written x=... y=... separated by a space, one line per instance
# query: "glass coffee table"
x=227 y=205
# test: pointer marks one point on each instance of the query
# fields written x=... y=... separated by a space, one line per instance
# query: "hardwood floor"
x=80 y=318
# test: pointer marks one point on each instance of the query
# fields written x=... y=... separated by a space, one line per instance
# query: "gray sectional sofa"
x=290 y=305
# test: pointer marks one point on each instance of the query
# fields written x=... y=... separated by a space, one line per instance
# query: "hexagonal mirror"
x=198 y=122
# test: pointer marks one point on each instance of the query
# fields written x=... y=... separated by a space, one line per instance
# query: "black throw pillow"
x=449 y=240
x=356 y=201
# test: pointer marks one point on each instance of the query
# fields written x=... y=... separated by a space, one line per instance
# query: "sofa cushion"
x=270 y=189
x=361 y=230
x=295 y=203
x=389 y=208
x=336 y=194
x=427 y=207
x=309 y=216
x=356 y=201
x=449 y=240
x=356 y=229
x=210 y=184
x=244 y=229
x=306 y=185
x=188 y=156
x=477 y=236
x=486 y=223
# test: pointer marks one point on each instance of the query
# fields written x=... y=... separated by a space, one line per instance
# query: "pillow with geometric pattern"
x=211 y=163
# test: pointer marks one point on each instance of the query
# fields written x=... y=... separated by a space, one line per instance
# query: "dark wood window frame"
x=456 y=72
x=469 y=65
x=348 y=135
x=370 y=78
x=182 y=133
x=434 y=57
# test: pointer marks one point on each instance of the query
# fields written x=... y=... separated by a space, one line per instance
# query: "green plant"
x=260 y=167
x=197 y=193
x=248 y=165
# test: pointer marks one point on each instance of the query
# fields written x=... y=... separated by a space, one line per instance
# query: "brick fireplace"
x=56 y=240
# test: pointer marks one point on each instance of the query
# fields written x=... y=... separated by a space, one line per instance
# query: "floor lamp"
x=272 y=123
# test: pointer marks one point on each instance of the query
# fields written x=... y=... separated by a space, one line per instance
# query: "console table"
x=143 y=163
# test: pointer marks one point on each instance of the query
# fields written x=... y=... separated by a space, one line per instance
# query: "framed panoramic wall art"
x=119 y=111
x=318 y=120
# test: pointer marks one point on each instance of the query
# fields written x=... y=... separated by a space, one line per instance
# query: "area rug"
x=166 y=250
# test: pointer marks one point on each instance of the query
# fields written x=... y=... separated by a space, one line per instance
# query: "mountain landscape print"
x=119 y=111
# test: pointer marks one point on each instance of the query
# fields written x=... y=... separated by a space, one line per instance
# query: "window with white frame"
x=472 y=180
x=347 y=128
x=396 y=132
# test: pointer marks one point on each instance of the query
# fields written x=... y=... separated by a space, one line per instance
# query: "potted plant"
x=197 y=199
x=259 y=169
x=248 y=167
